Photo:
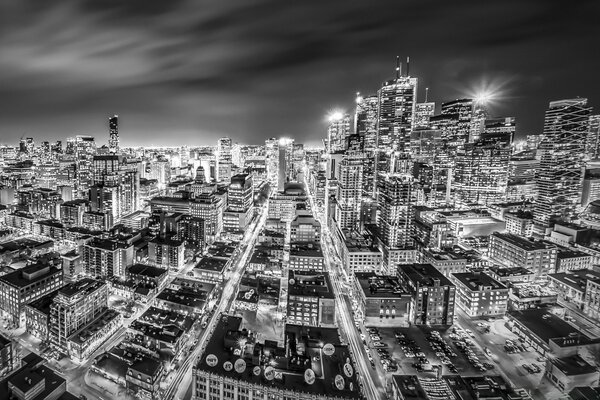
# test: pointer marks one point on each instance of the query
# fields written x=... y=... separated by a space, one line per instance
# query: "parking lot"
x=424 y=351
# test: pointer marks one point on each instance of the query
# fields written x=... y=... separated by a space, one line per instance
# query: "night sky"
x=188 y=72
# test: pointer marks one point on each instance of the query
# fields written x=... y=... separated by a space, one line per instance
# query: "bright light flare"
x=335 y=115
x=489 y=90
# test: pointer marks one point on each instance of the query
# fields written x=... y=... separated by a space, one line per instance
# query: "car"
x=372 y=330
x=527 y=368
x=375 y=337
x=409 y=355
x=536 y=369
x=487 y=352
x=392 y=367
x=367 y=348
x=362 y=336
x=488 y=365
x=452 y=368
x=379 y=344
x=399 y=335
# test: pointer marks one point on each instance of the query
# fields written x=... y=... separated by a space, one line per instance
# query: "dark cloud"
x=191 y=71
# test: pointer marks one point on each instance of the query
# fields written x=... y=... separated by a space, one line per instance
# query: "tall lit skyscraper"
x=423 y=112
x=395 y=119
x=593 y=139
x=271 y=159
x=224 y=159
x=113 y=134
x=365 y=121
x=481 y=170
x=562 y=154
x=338 y=131
x=349 y=191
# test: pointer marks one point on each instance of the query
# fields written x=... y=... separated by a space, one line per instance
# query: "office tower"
x=349 y=191
x=365 y=121
x=113 y=134
x=239 y=203
x=423 y=112
x=481 y=171
x=74 y=306
x=457 y=122
x=85 y=148
x=272 y=160
x=562 y=152
x=593 y=138
x=396 y=210
x=281 y=166
x=338 y=131
x=224 y=159
x=200 y=175
x=115 y=172
x=395 y=119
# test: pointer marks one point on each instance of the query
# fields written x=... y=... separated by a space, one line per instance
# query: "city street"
x=372 y=386
x=179 y=386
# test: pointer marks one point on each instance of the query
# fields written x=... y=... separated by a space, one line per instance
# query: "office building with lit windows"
x=559 y=179
x=480 y=295
x=25 y=285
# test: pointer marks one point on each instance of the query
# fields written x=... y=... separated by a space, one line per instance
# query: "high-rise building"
x=271 y=160
x=481 y=168
x=239 y=203
x=339 y=129
x=74 y=306
x=395 y=119
x=423 y=112
x=395 y=222
x=113 y=134
x=349 y=191
x=593 y=139
x=365 y=121
x=562 y=155
x=224 y=159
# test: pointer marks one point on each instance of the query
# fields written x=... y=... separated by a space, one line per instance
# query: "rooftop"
x=522 y=242
x=477 y=281
x=146 y=270
x=183 y=297
x=316 y=284
x=546 y=325
x=374 y=285
x=29 y=275
x=267 y=364
x=576 y=279
x=423 y=274
x=509 y=271
x=306 y=250
x=83 y=286
x=211 y=264
x=573 y=365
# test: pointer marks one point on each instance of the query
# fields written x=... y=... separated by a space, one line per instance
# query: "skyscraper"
x=395 y=119
x=481 y=169
x=423 y=111
x=224 y=159
x=562 y=153
x=349 y=191
x=113 y=134
x=338 y=131
x=365 y=121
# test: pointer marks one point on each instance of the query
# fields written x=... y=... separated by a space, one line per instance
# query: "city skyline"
x=196 y=74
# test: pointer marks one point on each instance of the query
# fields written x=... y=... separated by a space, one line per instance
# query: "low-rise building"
x=478 y=294
x=312 y=364
x=306 y=257
x=570 y=372
x=381 y=299
x=83 y=343
x=510 y=275
x=571 y=286
x=571 y=259
x=311 y=300
x=519 y=223
x=143 y=377
x=168 y=253
x=359 y=254
x=26 y=285
x=432 y=294
x=210 y=269
x=182 y=300
x=446 y=261
x=6 y=355
x=515 y=251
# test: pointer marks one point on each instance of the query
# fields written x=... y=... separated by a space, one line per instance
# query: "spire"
x=398 y=67
x=407 y=64
x=426 y=94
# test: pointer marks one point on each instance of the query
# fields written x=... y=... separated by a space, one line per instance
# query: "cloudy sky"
x=188 y=72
